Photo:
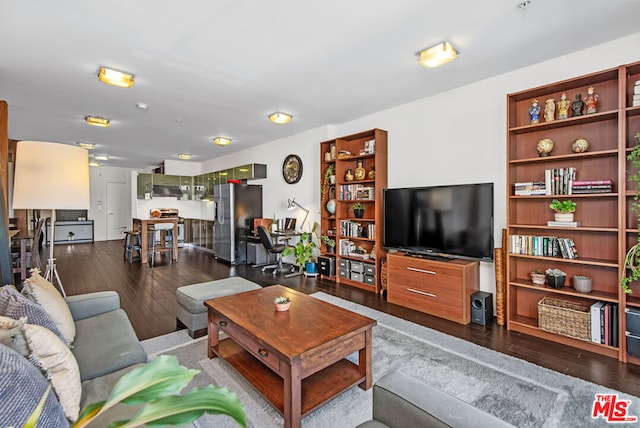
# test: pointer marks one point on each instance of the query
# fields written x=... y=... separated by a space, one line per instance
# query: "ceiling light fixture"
x=94 y=163
x=437 y=55
x=222 y=141
x=115 y=77
x=280 y=117
x=88 y=146
x=97 y=121
x=185 y=156
x=101 y=157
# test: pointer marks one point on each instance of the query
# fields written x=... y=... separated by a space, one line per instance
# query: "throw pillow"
x=11 y=334
x=19 y=306
x=54 y=358
x=42 y=292
x=22 y=387
x=5 y=295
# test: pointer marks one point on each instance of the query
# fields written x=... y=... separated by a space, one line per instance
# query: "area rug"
x=514 y=390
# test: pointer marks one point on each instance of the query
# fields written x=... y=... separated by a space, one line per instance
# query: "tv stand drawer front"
x=434 y=287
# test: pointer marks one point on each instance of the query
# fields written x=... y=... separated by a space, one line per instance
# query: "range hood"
x=166 y=190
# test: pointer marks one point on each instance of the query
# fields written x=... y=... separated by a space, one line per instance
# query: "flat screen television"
x=440 y=221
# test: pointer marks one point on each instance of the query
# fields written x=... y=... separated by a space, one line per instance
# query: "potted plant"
x=556 y=278
x=538 y=277
x=358 y=210
x=329 y=242
x=632 y=258
x=282 y=303
x=304 y=250
x=564 y=209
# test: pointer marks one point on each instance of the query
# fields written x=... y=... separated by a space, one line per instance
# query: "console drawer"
x=262 y=352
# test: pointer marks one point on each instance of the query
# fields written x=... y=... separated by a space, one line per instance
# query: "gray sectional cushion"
x=106 y=343
x=18 y=306
x=21 y=388
x=92 y=304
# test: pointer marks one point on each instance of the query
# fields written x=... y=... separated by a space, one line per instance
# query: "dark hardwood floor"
x=148 y=297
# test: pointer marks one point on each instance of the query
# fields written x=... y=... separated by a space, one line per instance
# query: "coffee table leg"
x=364 y=361
x=292 y=397
x=213 y=331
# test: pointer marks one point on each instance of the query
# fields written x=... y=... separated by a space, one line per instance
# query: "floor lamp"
x=51 y=176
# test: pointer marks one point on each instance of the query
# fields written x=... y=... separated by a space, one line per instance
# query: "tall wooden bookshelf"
x=365 y=232
x=606 y=227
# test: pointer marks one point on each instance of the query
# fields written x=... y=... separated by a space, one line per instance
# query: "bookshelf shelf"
x=368 y=192
x=606 y=227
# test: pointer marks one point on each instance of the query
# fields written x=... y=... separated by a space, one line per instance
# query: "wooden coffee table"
x=295 y=359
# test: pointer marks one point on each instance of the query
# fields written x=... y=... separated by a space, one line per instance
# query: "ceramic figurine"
x=549 y=110
x=563 y=107
x=360 y=173
x=577 y=106
x=591 y=100
x=534 y=112
x=348 y=175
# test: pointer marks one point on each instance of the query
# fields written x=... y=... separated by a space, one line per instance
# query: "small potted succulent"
x=282 y=303
x=358 y=210
x=556 y=278
x=329 y=242
x=564 y=209
x=538 y=277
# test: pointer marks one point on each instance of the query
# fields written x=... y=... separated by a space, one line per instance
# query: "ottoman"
x=192 y=313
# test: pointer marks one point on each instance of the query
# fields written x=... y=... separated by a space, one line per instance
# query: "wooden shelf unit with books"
x=343 y=226
x=605 y=226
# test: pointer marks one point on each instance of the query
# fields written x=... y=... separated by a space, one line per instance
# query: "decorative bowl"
x=544 y=146
x=580 y=145
x=582 y=284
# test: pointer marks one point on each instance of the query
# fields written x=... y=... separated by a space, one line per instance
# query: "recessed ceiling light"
x=115 y=77
x=280 y=117
x=101 y=157
x=222 y=141
x=437 y=55
x=142 y=106
x=94 y=163
x=88 y=146
x=97 y=121
x=185 y=156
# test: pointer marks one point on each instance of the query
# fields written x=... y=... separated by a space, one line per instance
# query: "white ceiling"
x=217 y=68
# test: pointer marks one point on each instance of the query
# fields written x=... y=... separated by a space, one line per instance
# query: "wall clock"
x=292 y=169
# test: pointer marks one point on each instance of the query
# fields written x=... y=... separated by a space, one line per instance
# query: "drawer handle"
x=413 y=290
x=430 y=272
x=263 y=352
x=222 y=323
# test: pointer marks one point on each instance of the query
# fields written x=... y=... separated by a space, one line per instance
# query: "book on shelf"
x=559 y=181
x=529 y=188
x=604 y=323
x=563 y=223
x=595 y=321
x=544 y=246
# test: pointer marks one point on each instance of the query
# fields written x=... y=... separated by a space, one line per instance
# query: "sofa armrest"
x=92 y=304
x=401 y=401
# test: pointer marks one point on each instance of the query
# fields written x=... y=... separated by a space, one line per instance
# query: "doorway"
x=118 y=210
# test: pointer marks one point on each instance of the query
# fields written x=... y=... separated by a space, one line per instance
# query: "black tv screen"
x=449 y=221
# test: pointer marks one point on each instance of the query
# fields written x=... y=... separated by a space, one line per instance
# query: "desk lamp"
x=51 y=176
x=293 y=205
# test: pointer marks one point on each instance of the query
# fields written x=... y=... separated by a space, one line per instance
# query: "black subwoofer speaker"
x=481 y=307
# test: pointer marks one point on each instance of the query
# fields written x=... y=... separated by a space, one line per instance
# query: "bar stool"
x=132 y=244
x=167 y=228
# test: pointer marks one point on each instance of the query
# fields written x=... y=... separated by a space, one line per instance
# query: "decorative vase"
x=331 y=206
x=582 y=284
x=331 y=250
x=311 y=268
x=563 y=216
x=281 y=307
x=333 y=152
x=327 y=157
x=580 y=145
x=348 y=176
x=556 y=282
x=544 y=147
x=372 y=173
x=358 y=213
x=538 y=278
x=332 y=179
x=360 y=172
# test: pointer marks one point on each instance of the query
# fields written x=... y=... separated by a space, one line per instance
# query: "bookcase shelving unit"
x=348 y=152
x=606 y=228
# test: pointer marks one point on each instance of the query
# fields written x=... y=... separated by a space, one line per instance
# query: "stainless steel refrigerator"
x=236 y=206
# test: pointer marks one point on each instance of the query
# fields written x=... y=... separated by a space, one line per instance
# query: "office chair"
x=277 y=249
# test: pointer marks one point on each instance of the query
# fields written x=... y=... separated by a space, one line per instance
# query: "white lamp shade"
x=51 y=176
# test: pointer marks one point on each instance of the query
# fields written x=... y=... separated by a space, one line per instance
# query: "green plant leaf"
x=161 y=377
x=180 y=410
x=88 y=413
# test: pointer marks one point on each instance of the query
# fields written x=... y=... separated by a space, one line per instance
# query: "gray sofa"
x=401 y=401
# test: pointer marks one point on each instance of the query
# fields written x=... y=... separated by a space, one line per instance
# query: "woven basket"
x=383 y=275
x=500 y=286
x=566 y=317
